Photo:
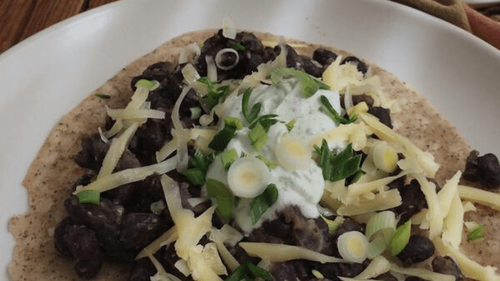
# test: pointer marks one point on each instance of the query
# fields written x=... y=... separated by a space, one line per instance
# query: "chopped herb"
x=234 y=122
x=308 y=84
x=401 y=238
x=476 y=233
x=254 y=113
x=358 y=175
x=228 y=158
x=290 y=125
x=214 y=95
x=195 y=112
x=266 y=121
x=89 y=196
x=200 y=163
x=196 y=176
x=157 y=207
x=238 y=47
x=220 y=141
x=261 y=203
x=248 y=268
x=334 y=114
x=258 y=136
x=270 y=164
x=102 y=96
x=223 y=195
x=338 y=166
x=146 y=83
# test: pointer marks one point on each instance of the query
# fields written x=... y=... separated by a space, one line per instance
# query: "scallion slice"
x=290 y=125
x=270 y=164
x=401 y=238
x=251 y=115
x=221 y=140
x=353 y=246
x=195 y=112
x=308 y=85
x=261 y=203
x=89 y=196
x=223 y=195
x=196 y=176
x=258 y=136
x=330 y=111
x=238 y=47
x=234 y=122
x=228 y=158
x=476 y=233
x=146 y=83
x=246 y=269
x=102 y=96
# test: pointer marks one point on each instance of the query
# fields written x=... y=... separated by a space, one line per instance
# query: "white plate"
x=46 y=75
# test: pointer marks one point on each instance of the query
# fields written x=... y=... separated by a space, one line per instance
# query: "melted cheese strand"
x=283 y=253
x=129 y=176
x=115 y=151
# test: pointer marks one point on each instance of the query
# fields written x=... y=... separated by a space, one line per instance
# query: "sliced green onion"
x=261 y=203
x=250 y=116
x=89 y=196
x=353 y=246
x=270 y=164
x=333 y=225
x=266 y=121
x=330 y=111
x=239 y=274
x=158 y=207
x=401 y=238
x=247 y=177
x=221 y=140
x=258 y=137
x=233 y=122
x=290 y=125
x=146 y=83
x=196 y=176
x=380 y=230
x=195 y=112
x=222 y=194
x=102 y=96
x=228 y=157
x=258 y=271
x=238 y=47
x=339 y=166
x=201 y=161
x=476 y=233
x=317 y=274
x=308 y=85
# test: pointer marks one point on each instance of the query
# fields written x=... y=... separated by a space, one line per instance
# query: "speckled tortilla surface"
x=53 y=171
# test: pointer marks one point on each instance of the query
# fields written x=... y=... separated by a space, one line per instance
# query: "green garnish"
x=228 y=158
x=220 y=141
x=234 y=122
x=102 y=96
x=214 y=95
x=266 y=121
x=89 y=196
x=145 y=83
x=358 y=175
x=158 y=207
x=238 y=47
x=223 y=195
x=258 y=136
x=401 y=238
x=200 y=163
x=248 y=268
x=251 y=115
x=338 y=166
x=196 y=176
x=334 y=114
x=290 y=125
x=261 y=203
x=317 y=274
x=308 y=84
x=476 y=233
x=270 y=164
x=195 y=112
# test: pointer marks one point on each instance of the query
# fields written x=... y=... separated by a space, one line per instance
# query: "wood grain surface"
x=19 y=19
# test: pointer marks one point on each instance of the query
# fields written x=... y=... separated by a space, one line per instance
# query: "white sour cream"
x=302 y=188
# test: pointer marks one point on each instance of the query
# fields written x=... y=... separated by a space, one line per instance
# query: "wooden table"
x=20 y=19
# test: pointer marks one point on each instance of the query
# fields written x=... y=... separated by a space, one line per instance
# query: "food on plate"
x=227 y=155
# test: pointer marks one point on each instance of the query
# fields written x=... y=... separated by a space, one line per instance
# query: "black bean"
x=140 y=229
x=82 y=242
x=413 y=201
x=92 y=153
x=418 y=249
x=324 y=56
x=446 y=265
x=360 y=65
x=59 y=232
x=483 y=169
x=383 y=114
x=386 y=277
x=88 y=269
x=142 y=270
x=332 y=270
x=95 y=217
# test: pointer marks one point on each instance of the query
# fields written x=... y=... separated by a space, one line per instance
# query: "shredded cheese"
x=135 y=113
x=433 y=216
x=381 y=201
x=453 y=223
x=422 y=273
x=377 y=266
x=283 y=253
x=165 y=239
x=480 y=196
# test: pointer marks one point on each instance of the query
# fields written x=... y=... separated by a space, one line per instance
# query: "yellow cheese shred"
x=453 y=223
x=422 y=273
x=480 y=196
x=283 y=253
x=433 y=215
x=166 y=238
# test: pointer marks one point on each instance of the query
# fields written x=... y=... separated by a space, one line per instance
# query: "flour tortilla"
x=53 y=171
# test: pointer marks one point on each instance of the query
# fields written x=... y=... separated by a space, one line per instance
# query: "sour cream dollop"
x=302 y=187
